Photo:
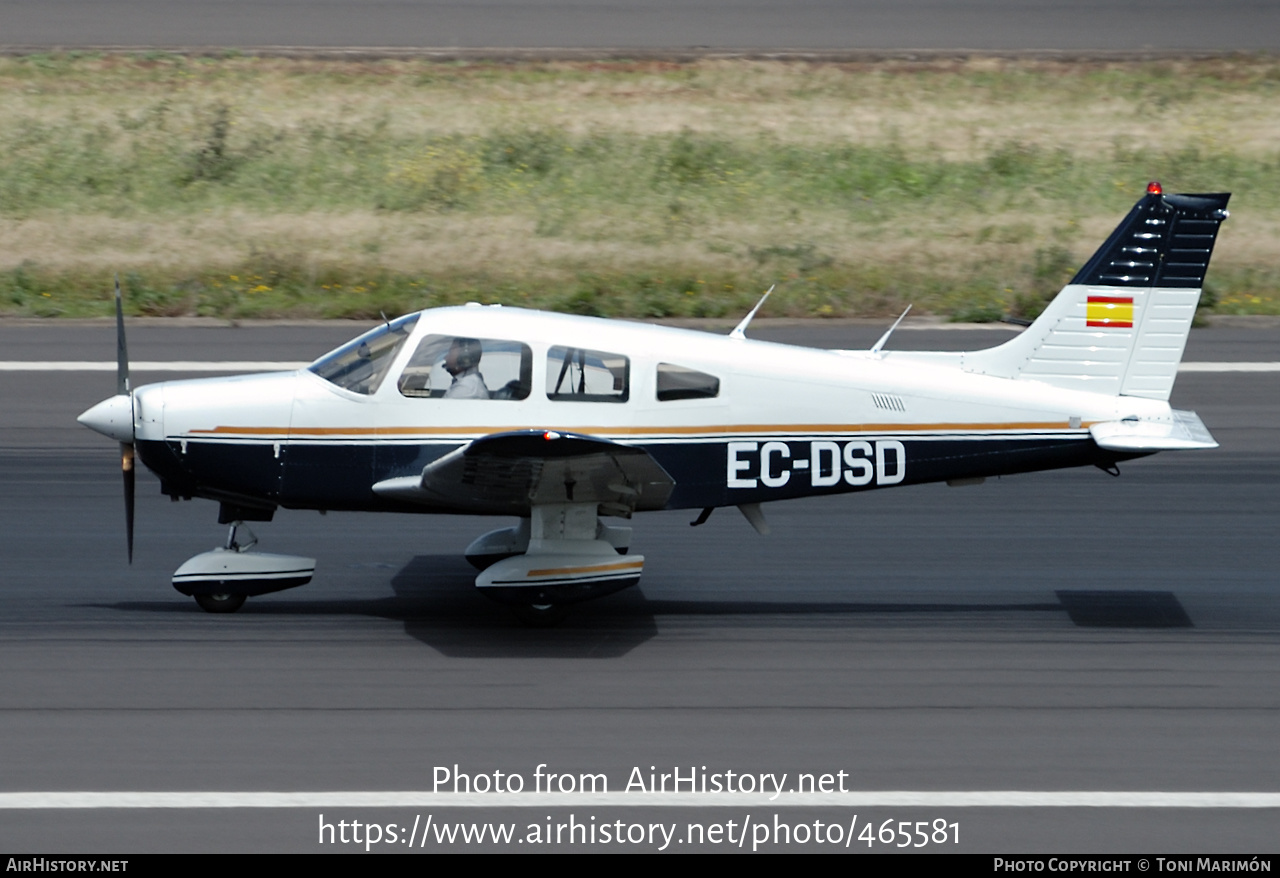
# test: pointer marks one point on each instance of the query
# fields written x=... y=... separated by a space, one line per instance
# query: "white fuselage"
x=783 y=420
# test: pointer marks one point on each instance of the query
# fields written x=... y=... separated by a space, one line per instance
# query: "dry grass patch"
x=653 y=189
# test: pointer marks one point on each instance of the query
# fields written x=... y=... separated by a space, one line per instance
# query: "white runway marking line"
x=1229 y=367
x=865 y=799
x=282 y=366
x=149 y=366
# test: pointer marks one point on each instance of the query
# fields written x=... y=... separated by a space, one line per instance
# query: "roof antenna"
x=875 y=348
x=740 y=331
x=384 y=318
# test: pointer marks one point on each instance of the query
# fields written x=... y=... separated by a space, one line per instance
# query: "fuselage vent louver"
x=888 y=402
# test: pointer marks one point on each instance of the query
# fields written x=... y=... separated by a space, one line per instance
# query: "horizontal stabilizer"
x=1186 y=431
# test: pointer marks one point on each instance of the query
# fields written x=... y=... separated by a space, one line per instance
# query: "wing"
x=507 y=473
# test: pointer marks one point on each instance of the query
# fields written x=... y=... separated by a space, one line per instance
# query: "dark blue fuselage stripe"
x=338 y=476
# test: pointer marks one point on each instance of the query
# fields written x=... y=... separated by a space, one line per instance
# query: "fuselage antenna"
x=875 y=348
x=740 y=331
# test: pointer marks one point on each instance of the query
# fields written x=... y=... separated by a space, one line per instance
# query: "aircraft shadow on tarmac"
x=435 y=599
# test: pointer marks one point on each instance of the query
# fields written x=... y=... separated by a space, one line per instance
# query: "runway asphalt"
x=669 y=27
x=1049 y=632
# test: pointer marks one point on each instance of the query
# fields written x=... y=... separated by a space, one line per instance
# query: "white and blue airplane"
x=568 y=422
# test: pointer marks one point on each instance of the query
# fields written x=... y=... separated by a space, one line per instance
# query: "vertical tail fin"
x=1121 y=325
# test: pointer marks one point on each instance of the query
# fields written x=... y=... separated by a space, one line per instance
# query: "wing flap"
x=507 y=473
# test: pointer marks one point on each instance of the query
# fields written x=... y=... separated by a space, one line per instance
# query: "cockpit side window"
x=360 y=365
x=577 y=374
x=681 y=382
x=458 y=367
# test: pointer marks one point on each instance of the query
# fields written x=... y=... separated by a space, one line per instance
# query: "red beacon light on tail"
x=1154 y=188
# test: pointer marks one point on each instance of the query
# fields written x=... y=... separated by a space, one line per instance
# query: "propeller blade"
x=126 y=448
x=126 y=467
x=122 y=351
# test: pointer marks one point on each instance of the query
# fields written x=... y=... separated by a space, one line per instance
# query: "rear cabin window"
x=581 y=375
x=457 y=367
x=360 y=365
x=681 y=382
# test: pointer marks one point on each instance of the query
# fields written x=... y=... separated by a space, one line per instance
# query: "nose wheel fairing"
x=226 y=571
x=220 y=579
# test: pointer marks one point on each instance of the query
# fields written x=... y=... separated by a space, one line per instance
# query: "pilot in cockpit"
x=463 y=363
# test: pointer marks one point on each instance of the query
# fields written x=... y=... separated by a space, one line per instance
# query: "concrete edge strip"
x=422 y=799
x=281 y=366
x=623 y=53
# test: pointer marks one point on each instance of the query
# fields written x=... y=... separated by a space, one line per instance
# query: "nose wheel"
x=220 y=603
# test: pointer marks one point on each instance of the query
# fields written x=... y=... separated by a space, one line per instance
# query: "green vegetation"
x=242 y=187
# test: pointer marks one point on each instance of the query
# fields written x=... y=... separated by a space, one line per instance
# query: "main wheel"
x=220 y=603
x=541 y=615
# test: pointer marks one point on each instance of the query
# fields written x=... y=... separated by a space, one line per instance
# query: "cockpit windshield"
x=360 y=365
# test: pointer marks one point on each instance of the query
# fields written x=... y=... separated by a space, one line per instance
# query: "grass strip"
x=253 y=187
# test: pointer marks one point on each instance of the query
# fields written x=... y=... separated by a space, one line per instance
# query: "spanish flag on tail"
x=1113 y=312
